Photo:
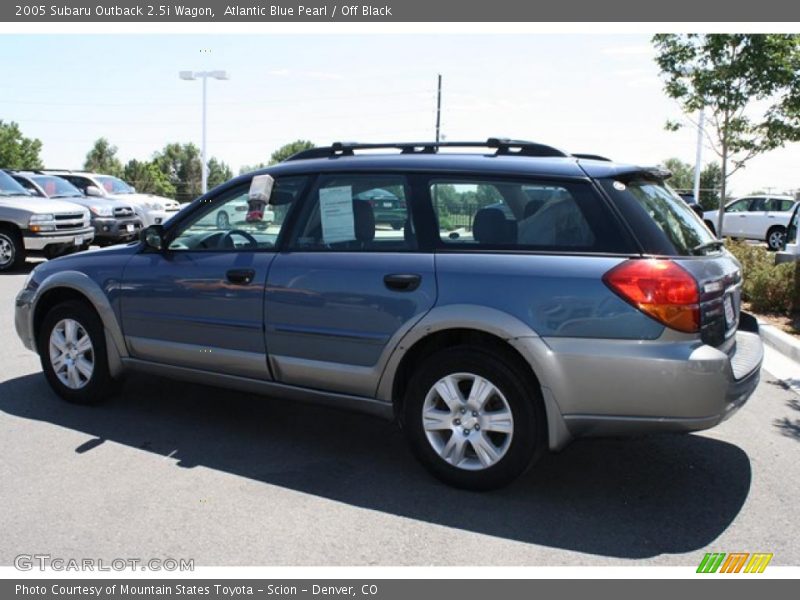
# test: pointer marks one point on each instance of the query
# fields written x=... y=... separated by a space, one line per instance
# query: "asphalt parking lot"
x=176 y=470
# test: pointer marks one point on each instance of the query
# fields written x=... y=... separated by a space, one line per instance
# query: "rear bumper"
x=38 y=242
x=624 y=387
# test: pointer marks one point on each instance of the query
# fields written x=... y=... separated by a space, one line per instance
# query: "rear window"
x=662 y=222
x=483 y=214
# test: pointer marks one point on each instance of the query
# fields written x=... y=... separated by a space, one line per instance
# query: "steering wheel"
x=226 y=240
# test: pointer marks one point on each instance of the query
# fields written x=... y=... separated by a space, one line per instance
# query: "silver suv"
x=38 y=226
x=530 y=297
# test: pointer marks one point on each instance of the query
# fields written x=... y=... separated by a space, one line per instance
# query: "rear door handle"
x=241 y=276
x=402 y=282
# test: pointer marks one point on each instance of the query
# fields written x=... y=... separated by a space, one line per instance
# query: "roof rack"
x=503 y=147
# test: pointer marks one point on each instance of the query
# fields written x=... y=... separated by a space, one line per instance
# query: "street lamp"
x=204 y=75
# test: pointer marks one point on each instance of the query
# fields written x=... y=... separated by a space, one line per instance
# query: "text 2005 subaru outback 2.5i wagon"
x=530 y=298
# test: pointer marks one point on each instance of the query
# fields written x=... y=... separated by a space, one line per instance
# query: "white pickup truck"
x=763 y=218
x=38 y=225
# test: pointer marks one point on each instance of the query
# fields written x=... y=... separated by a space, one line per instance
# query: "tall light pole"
x=698 y=168
x=204 y=75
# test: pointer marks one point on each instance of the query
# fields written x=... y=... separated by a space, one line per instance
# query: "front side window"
x=739 y=206
x=527 y=215
x=228 y=223
x=357 y=213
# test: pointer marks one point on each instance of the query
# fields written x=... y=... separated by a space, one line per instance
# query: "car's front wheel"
x=12 y=250
x=473 y=419
x=72 y=349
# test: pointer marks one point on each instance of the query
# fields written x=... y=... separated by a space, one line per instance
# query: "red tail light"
x=659 y=288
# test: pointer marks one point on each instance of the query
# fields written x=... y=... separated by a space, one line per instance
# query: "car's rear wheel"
x=12 y=250
x=472 y=419
x=72 y=350
x=776 y=238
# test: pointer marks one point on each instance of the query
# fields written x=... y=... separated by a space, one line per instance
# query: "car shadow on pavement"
x=619 y=498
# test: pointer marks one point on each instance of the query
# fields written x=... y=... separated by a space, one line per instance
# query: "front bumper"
x=111 y=229
x=36 y=242
x=154 y=217
x=23 y=321
x=625 y=387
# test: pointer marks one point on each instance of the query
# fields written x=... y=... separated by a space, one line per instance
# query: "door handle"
x=402 y=282
x=240 y=276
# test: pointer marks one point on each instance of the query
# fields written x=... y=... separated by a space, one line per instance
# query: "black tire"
x=397 y=226
x=522 y=395
x=12 y=249
x=100 y=386
x=776 y=238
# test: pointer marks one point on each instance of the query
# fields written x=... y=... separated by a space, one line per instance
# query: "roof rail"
x=50 y=170
x=503 y=147
x=591 y=157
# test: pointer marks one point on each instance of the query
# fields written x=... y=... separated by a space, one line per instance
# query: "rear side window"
x=356 y=212
x=523 y=215
x=781 y=205
x=662 y=222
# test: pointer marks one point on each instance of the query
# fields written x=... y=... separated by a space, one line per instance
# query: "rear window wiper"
x=708 y=245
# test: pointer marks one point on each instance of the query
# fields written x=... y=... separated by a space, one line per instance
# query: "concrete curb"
x=784 y=343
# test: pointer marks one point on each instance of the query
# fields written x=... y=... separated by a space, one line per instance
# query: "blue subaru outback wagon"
x=528 y=297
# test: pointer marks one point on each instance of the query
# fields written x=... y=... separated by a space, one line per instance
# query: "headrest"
x=363 y=221
x=491 y=227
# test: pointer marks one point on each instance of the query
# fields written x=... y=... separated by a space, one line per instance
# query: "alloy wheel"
x=71 y=354
x=467 y=421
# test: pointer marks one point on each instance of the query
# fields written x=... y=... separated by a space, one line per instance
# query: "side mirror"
x=153 y=237
x=94 y=191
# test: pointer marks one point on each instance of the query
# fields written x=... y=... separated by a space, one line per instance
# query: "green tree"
x=289 y=149
x=147 y=178
x=683 y=180
x=102 y=158
x=181 y=164
x=218 y=172
x=748 y=84
x=18 y=151
x=250 y=168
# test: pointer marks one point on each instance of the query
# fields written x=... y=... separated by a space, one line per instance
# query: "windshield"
x=55 y=187
x=114 y=185
x=9 y=187
x=668 y=226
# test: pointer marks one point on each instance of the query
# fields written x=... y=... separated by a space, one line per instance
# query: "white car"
x=791 y=252
x=763 y=218
x=151 y=209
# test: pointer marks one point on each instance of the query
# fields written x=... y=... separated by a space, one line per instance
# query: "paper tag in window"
x=336 y=214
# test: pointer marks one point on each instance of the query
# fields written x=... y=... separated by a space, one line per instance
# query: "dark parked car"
x=114 y=222
x=606 y=309
x=386 y=206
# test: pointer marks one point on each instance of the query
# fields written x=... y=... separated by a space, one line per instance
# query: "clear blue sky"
x=589 y=93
